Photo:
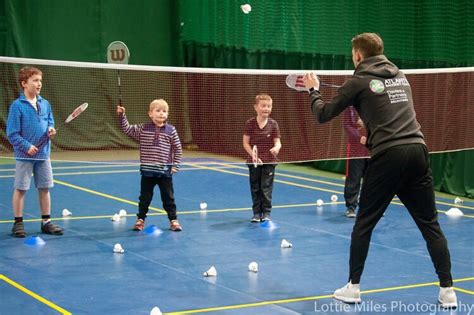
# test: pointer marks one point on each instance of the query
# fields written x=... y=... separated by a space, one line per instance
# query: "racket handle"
x=42 y=142
x=44 y=139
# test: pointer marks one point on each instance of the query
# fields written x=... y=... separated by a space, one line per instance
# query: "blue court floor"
x=79 y=273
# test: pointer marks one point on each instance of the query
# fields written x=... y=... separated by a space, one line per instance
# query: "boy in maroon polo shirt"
x=263 y=133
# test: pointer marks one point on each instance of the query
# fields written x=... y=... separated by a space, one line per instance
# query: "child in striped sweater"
x=160 y=156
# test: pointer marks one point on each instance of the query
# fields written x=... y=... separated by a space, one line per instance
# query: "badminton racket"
x=76 y=112
x=118 y=53
x=295 y=81
x=255 y=156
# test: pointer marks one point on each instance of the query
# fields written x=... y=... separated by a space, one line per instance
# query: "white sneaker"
x=350 y=293
x=447 y=297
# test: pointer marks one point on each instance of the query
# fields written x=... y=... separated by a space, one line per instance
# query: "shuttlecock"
x=66 y=213
x=458 y=200
x=319 y=202
x=212 y=272
x=253 y=266
x=115 y=217
x=246 y=8
x=203 y=206
x=155 y=311
x=286 y=244
x=454 y=212
x=118 y=249
x=122 y=213
x=334 y=198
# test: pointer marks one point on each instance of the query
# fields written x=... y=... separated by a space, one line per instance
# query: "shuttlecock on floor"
x=118 y=249
x=285 y=244
x=66 y=213
x=246 y=8
x=334 y=198
x=458 y=200
x=454 y=212
x=212 y=272
x=115 y=217
x=155 y=311
x=253 y=266
x=203 y=206
x=319 y=202
x=122 y=213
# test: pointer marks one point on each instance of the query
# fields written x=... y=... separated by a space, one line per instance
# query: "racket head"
x=255 y=156
x=295 y=81
x=117 y=52
x=76 y=112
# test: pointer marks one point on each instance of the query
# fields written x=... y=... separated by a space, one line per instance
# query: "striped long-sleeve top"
x=160 y=147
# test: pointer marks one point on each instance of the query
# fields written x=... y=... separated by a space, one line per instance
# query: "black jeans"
x=167 y=195
x=355 y=171
x=404 y=171
x=261 y=187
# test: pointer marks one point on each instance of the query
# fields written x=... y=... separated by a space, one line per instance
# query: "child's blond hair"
x=160 y=104
x=262 y=97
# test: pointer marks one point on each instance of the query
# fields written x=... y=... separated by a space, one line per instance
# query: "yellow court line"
x=309 y=298
x=164 y=213
x=34 y=295
x=279 y=174
x=276 y=180
x=298 y=185
x=103 y=195
x=464 y=291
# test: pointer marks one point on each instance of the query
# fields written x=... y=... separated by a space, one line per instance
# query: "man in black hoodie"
x=399 y=163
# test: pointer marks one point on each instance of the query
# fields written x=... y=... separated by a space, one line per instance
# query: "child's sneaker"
x=139 y=225
x=447 y=297
x=175 y=226
x=50 y=228
x=255 y=218
x=18 y=229
x=350 y=293
x=266 y=217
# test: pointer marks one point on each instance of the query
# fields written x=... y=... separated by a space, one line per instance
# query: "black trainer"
x=255 y=218
x=50 y=228
x=18 y=229
x=266 y=217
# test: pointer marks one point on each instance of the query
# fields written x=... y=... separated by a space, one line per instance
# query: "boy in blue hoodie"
x=30 y=119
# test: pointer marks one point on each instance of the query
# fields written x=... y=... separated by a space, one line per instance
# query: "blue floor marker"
x=153 y=230
x=35 y=240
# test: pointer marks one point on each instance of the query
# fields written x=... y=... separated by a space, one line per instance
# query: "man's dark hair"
x=368 y=44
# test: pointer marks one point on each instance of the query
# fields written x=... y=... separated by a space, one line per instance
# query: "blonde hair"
x=369 y=44
x=160 y=104
x=262 y=97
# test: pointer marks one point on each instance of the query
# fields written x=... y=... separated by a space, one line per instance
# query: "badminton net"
x=209 y=108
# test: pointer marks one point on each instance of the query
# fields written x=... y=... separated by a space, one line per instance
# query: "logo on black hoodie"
x=376 y=86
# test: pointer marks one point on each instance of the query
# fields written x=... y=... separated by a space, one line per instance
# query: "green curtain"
x=316 y=35
x=430 y=33
x=81 y=30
